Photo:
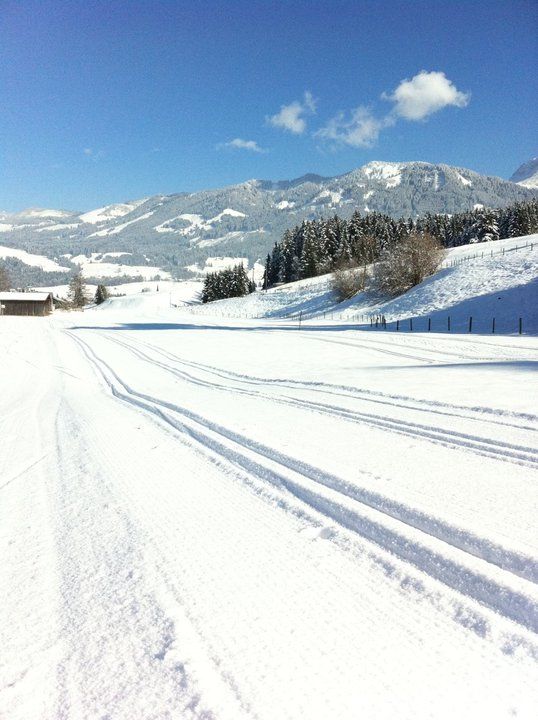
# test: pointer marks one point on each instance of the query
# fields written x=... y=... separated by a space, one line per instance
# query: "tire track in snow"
x=496 y=449
x=500 y=590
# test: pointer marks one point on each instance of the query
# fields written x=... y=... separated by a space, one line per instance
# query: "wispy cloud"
x=291 y=118
x=93 y=154
x=358 y=129
x=413 y=100
x=240 y=144
x=426 y=93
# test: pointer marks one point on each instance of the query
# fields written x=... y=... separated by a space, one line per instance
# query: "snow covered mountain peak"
x=382 y=170
x=110 y=212
x=43 y=213
x=527 y=174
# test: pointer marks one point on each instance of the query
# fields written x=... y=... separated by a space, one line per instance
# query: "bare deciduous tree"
x=348 y=280
x=407 y=263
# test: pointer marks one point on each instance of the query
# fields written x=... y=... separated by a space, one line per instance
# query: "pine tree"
x=101 y=294
x=309 y=264
x=77 y=291
x=5 y=282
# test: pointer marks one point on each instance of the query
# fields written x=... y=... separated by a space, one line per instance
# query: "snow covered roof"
x=25 y=296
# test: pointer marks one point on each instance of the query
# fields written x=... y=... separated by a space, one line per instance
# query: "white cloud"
x=240 y=144
x=88 y=151
x=309 y=102
x=360 y=129
x=290 y=116
x=425 y=94
x=415 y=99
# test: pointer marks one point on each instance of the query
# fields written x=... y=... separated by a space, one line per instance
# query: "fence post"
x=449 y=323
x=429 y=324
x=471 y=323
x=520 y=325
x=300 y=318
x=397 y=326
x=411 y=324
x=493 y=326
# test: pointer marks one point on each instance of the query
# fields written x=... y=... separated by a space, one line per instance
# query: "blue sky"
x=107 y=101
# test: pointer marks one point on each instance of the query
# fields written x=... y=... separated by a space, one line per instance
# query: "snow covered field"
x=238 y=519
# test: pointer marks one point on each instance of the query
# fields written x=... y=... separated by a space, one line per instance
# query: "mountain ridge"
x=178 y=232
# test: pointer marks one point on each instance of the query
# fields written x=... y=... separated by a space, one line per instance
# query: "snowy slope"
x=45 y=263
x=476 y=280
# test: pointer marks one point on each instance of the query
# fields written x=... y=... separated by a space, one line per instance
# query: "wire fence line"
x=484 y=254
x=482 y=324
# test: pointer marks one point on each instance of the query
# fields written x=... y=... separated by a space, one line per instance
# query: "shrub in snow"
x=348 y=280
x=406 y=264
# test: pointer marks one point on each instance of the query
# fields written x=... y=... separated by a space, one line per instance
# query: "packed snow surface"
x=244 y=519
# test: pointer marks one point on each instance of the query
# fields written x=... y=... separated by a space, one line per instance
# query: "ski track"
x=407 y=402
x=493 y=588
x=382 y=346
x=509 y=452
x=118 y=626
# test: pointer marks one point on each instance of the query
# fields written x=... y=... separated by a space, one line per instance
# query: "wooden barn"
x=26 y=303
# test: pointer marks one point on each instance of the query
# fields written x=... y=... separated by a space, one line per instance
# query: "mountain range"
x=178 y=234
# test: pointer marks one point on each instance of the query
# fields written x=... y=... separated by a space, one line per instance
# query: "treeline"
x=228 y=283
x=320 y=246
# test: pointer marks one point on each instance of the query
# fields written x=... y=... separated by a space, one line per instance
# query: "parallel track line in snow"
x=496 y=449
x=500 y=590
x=385 y=351
x=389 y=341
x=420 y=405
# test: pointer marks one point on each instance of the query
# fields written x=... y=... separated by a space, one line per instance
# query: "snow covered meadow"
x=215 y=517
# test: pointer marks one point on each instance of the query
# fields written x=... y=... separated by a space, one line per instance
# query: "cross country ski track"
x=526 y=455
x=430 y=545
x=211 y=523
